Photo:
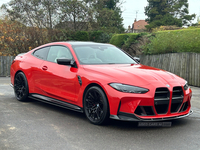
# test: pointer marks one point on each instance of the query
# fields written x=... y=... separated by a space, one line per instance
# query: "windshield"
x=101 y=54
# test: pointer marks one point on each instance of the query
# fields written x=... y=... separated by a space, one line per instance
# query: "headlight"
x=128 y=88
x=186 y=86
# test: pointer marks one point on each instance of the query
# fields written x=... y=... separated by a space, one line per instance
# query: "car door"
x=38 y=57
x=58 y=81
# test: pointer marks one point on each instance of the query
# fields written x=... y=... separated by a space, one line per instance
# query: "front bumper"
x=132 y=117
x=158 y=104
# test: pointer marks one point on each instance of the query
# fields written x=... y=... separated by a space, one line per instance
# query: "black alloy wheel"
x=96 y=106
x=21 y=87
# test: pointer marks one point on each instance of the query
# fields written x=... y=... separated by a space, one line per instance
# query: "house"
x=139 y=26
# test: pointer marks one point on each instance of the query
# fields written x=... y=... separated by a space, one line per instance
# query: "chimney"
x=135 y=20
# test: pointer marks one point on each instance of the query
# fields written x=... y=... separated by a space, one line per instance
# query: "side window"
x=56 y=52
x=41 y=53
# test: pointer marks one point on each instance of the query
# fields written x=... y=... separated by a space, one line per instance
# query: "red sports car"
x=100 y=80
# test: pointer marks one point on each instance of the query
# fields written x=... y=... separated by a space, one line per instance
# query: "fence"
x=185 y=65
x=5 y=63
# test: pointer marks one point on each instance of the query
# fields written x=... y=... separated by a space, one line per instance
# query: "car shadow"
x=57 y=109
x=114 y=124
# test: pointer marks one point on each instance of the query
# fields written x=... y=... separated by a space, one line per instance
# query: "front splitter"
x=132 y=117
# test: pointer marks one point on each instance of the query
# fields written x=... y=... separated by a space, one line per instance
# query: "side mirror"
x=137 y=59
x=68 y=62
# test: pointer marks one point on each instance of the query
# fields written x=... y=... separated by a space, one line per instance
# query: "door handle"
x=44 y=68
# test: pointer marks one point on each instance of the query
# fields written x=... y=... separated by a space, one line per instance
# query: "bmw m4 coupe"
x=101 y=81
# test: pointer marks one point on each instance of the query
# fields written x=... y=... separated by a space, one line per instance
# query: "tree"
x=198 y=20
x=109 y=20
x=111 y=4
x=168 y=12
x=67 y=14
x=16 y=38
x=75 y=14
x=35 y=13
x=108 y=14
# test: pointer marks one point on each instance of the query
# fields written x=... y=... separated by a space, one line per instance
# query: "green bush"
x=131 y=39
x=120 y=39
x=185 y=40
x=81 y=36
x=99 y=36
x=94 y=35
x=105 y=37
x=62 y=35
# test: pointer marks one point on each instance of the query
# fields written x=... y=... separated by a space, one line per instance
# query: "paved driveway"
x=34 y=125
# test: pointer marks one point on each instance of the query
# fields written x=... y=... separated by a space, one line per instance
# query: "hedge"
x=120 y=39
x=173 y=41
x=100 y=36
x=81 y=36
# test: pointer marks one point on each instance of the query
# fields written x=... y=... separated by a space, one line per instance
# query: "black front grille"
x=177 y=99
x=144 y=111
x=161 y=100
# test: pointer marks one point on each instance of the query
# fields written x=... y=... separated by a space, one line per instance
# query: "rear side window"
x=41 y=53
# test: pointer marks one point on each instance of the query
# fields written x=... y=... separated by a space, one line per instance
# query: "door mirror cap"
x=67 y=62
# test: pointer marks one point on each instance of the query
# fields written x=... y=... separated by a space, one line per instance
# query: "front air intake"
x=184 y=107
x=144 y=111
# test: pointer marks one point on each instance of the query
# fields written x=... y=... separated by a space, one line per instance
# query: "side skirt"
x=55 y=102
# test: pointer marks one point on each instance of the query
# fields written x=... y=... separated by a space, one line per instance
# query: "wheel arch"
x=18 y=72
x=95 y=84
x=21 y=88
x=25 y=76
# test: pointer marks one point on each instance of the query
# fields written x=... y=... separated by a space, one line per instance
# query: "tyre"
x=21 y=87
x=96 y=106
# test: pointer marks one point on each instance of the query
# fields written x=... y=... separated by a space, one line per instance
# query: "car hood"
x=135 y=74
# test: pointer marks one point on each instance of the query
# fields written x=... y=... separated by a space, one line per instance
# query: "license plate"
x=154 y=124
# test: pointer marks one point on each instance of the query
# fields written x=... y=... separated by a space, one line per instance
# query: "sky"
x=130 y=7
